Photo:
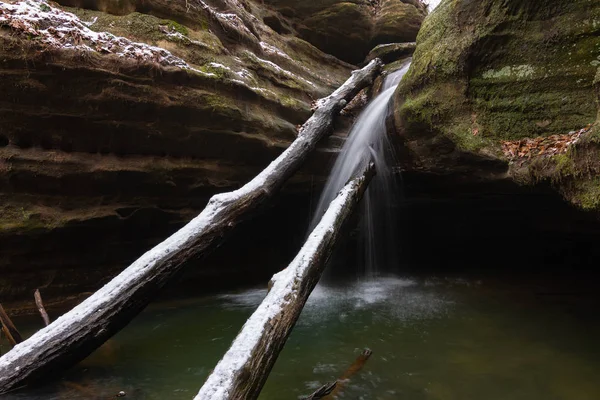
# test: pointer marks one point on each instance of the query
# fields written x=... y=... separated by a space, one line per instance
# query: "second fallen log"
x=242 y=372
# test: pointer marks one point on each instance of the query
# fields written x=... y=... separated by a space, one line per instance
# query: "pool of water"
x=431 y=338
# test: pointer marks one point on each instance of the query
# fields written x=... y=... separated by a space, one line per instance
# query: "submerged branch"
x=9 y=329
x=322 y=392
x=356 y=366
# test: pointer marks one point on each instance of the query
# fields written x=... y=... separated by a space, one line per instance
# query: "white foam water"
x=366 y=142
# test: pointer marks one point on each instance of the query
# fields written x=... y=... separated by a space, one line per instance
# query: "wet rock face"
x=350 y=29
x=120 y=120
x=485 y=72
x=392 y=52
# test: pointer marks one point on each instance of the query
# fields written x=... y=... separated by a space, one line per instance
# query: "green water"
x=432 y=339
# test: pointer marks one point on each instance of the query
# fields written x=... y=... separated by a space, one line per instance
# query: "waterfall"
x=368 y=141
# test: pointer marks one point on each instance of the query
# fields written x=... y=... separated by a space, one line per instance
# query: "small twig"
x=11 y=332
x=40 y=306
x=323 y=391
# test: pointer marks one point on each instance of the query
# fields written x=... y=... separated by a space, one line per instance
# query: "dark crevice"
x=24 y=142
x=275 y=23
x=46 y=144
x=66 y=146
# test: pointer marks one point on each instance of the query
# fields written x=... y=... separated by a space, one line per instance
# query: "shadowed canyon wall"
x=121 y=118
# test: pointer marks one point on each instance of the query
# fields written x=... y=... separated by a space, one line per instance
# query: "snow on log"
x=80 y=331
x=242 y=372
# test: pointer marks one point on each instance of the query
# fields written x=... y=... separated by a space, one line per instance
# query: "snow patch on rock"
x=272 y=50
x=271 y=65
x=58 y=29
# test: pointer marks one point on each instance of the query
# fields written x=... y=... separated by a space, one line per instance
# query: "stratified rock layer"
x=350 y=29
x=120 y=120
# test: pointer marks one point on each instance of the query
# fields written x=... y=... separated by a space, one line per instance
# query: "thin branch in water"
x=40 y=306
x=10 y=331
x=323 y=391
x=356 y=366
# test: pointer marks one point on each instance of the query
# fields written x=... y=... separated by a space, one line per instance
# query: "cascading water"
x=368 y=141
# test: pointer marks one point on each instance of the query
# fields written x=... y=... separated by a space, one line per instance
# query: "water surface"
x=431 y=339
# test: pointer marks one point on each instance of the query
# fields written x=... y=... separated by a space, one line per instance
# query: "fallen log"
x=40 y=305
x=80 y=331
x=243 y=370
x=9 y=329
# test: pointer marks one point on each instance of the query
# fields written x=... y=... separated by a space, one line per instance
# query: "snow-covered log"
x=242 y=372
x=77 y=333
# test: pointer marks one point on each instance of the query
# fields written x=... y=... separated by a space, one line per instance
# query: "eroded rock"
x=391 y=52
x=350 y=29
x=486 y=72
x=120 y=120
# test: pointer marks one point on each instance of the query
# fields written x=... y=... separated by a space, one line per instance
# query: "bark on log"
x=76 y=334
x=9 y=329
x=40 y=305
x=243 y=370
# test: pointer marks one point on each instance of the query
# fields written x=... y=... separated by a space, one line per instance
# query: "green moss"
x=595 y=133
x=175 y=26
x=397 y=22
x=462 y=135
x=21 y=219
x=223 y=106
x=293 y=103
x=218 y=72
x=136 y=26
x=565 y=166
x=142 y=27
x=587 y=194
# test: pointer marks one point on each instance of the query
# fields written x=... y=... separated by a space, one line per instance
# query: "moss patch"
x=587 y=194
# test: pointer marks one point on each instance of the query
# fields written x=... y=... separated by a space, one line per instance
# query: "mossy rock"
x=396 y=22
x=524 y=71
x=343 y=30
x=349 y=29
x=488 y=71
x=391 y=52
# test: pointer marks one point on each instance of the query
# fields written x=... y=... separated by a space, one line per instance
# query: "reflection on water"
x=431 y=339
